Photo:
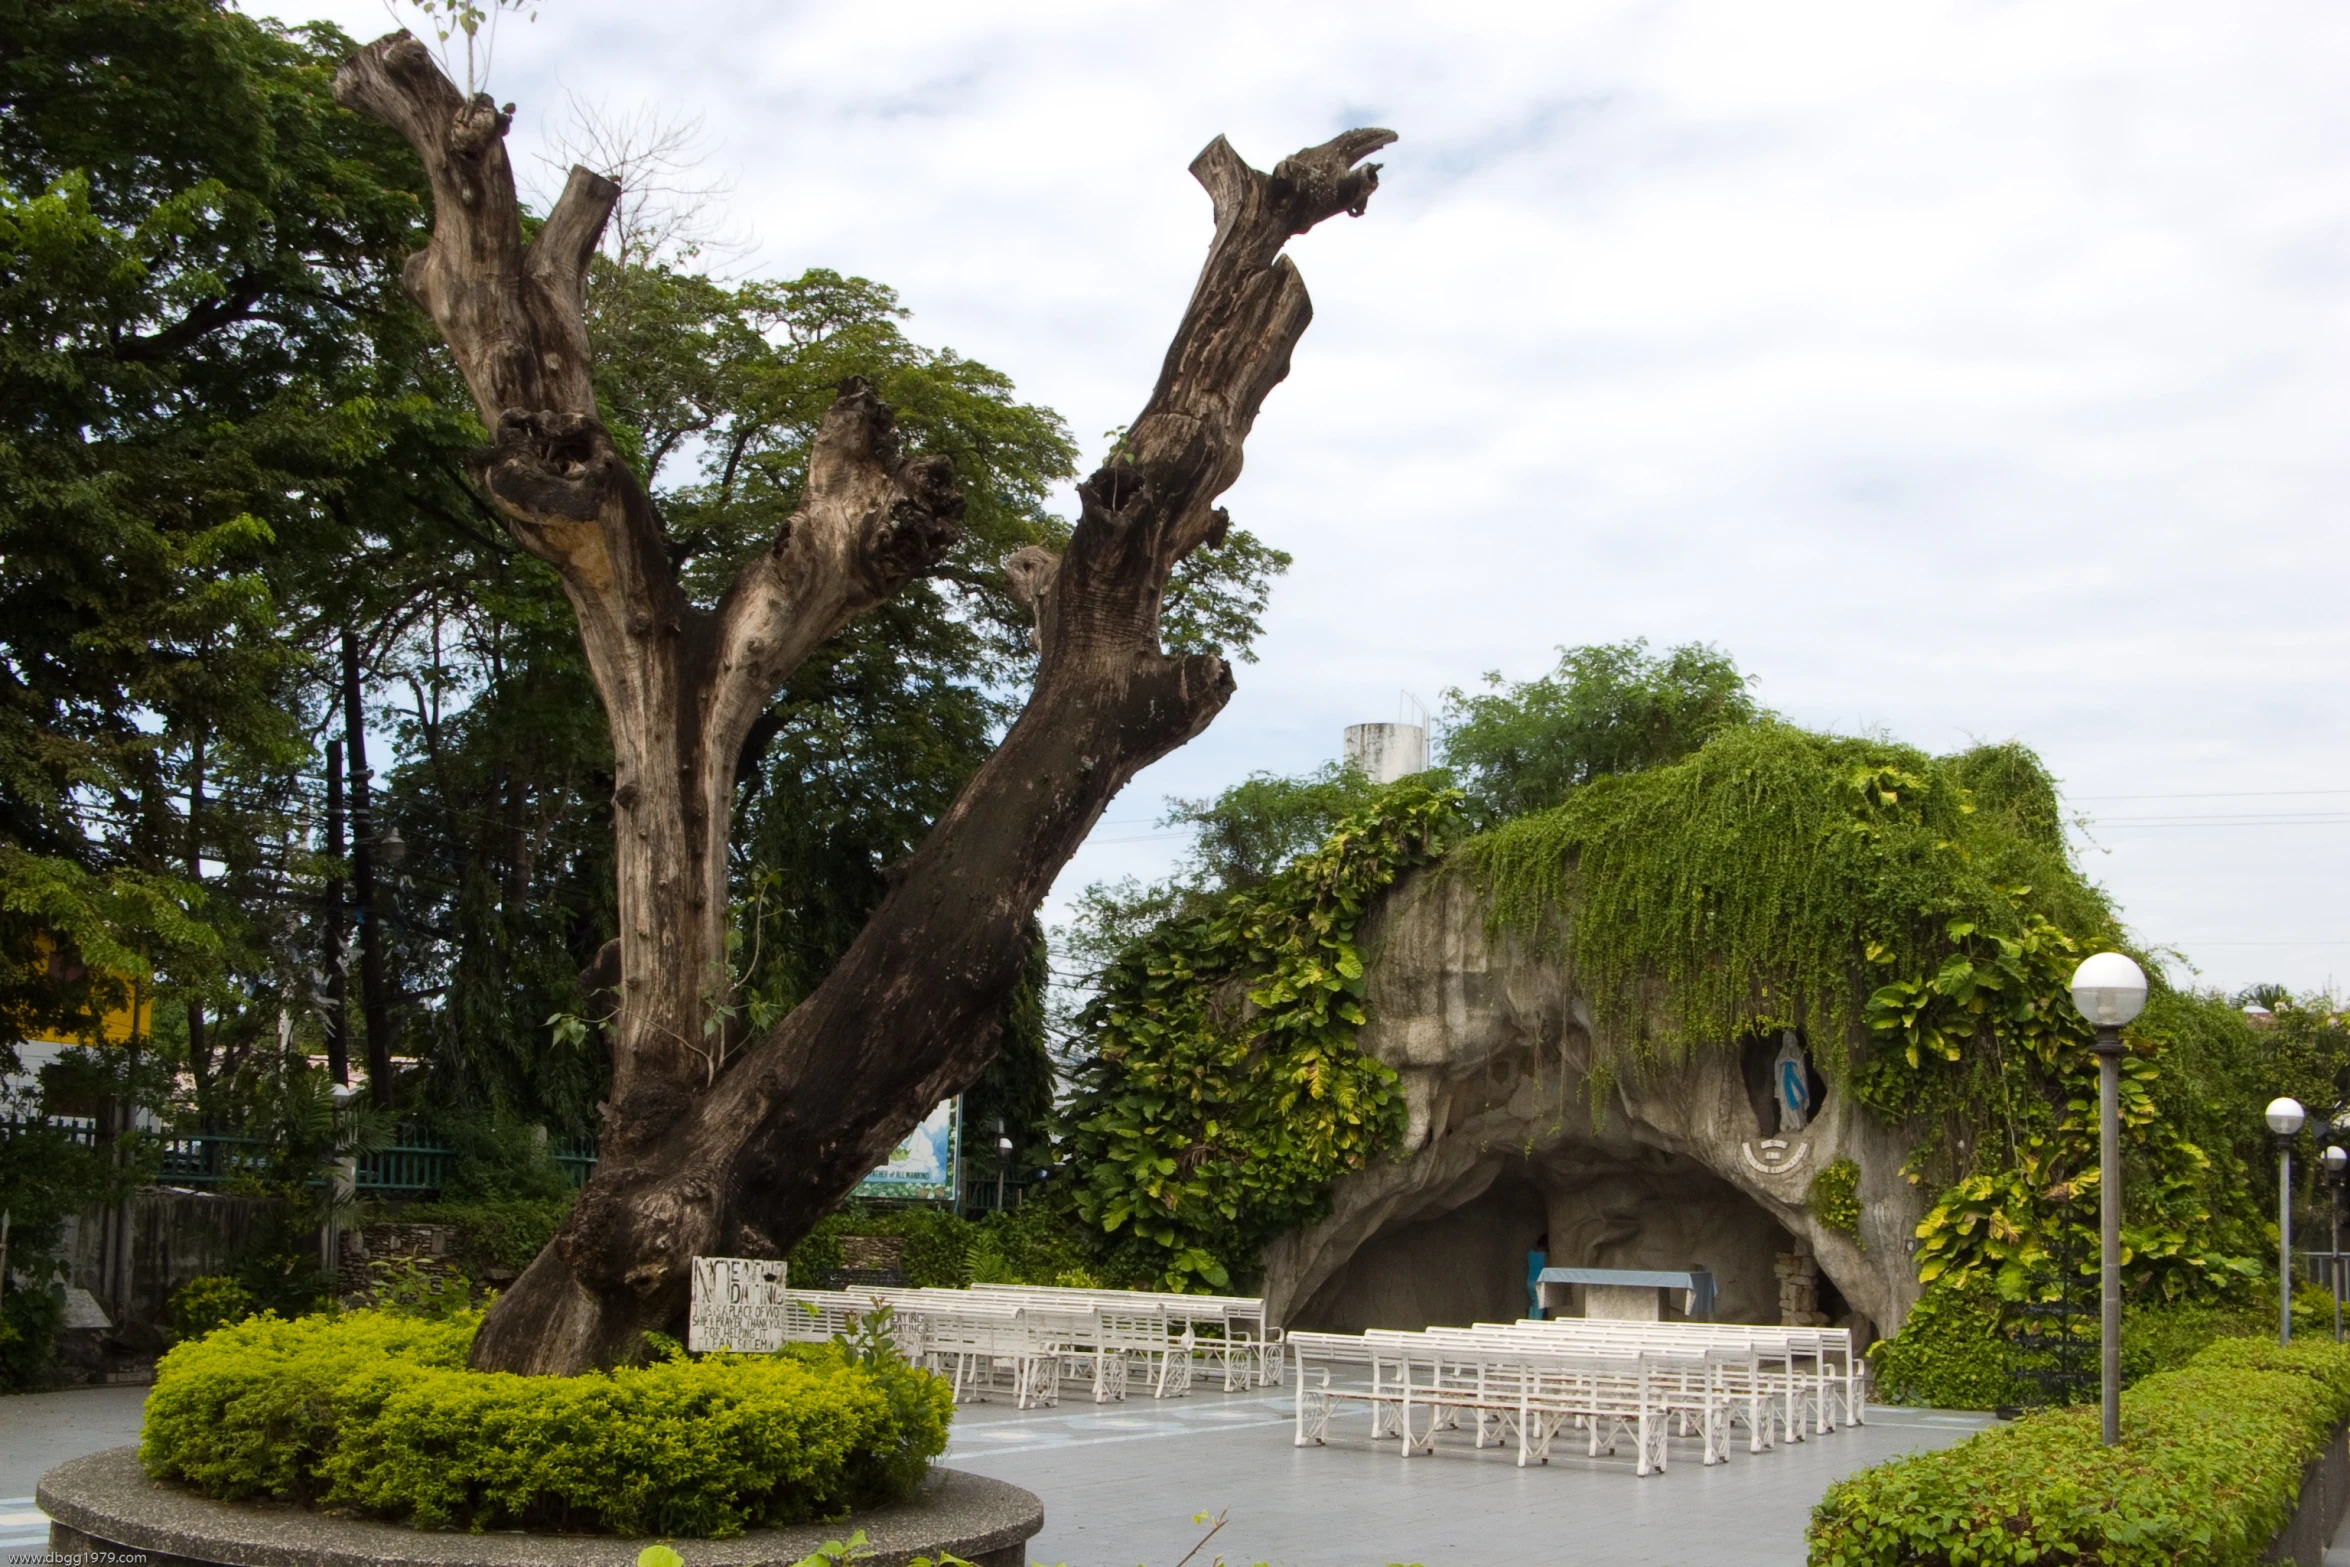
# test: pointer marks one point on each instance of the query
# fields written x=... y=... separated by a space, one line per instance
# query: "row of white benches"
x=1033 y=1339
x=1228 y=1330
x=1613 y=1380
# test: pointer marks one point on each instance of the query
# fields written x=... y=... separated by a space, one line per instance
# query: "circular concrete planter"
x=105 y=1502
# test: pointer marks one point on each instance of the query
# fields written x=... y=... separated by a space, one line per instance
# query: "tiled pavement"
x=1121 y=1483
x=23 y=1527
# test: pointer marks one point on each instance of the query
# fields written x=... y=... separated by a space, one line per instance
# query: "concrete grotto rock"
x=1675 y=1166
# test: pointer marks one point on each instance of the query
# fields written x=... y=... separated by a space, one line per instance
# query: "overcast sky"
x=1969 y=371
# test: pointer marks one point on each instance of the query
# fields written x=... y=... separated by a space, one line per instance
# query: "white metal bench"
x=1231 y=1329
x=1820 y=1382
x=1422 y=1383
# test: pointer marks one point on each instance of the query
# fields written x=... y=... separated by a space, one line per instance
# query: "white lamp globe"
x=2109 y=989
x=2336 y=1159
x=2285 y=1116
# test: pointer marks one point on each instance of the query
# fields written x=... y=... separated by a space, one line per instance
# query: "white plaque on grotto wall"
x=738 y=1304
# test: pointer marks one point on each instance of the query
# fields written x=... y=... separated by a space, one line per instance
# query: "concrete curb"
x=2317 y=1511
x=107 y=1502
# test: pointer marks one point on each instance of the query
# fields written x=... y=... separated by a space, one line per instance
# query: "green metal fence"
x=415 y=1164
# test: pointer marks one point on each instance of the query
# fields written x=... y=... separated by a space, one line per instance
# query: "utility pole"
x=195 y=862
x=338 y=1012
x=369 y=914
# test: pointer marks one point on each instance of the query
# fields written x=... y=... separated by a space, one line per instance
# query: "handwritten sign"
x=738 y=1304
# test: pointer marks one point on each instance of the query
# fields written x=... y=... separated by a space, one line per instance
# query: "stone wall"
x=1680 y=1165
x=173 y=1236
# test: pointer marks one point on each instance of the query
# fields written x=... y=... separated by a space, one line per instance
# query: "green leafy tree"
x=208 y=367
x=1520 y=746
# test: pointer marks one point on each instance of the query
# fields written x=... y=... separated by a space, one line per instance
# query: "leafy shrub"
x=211 y=1300
x=936 y=1241
x=1033 y=1244
x=936 y=1250
x=29 y=1323
x=2166 y=1337
x=374 y=1412
x=1834 y=1198
x=494 y=1236
x=249 y=1411
x=406 y=1287
x=935 y=1244
x=2208 y=1471
x=1949 y=1353
x=499 y=1160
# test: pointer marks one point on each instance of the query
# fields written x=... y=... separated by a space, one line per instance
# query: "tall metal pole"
x=2109 y=1202
x=2284 y=1241
x=198 y=1053
x=2334 y=1258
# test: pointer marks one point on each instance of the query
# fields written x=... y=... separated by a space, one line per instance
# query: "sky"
x=1966 y=371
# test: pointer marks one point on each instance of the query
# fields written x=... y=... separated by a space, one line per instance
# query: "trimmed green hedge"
x=1951 y=1354
x=375 y=1413
x=2208 y=1472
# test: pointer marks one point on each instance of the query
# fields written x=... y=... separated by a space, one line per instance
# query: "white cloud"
x=1964 y=369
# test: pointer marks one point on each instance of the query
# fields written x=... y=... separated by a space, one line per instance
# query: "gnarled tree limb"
x=909 y=1014
x=680 y=683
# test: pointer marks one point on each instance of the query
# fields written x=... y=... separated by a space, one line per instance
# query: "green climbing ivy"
x=1919 y=919
x=1834 y=1199
x=1776 y=879
x=1225 y=1093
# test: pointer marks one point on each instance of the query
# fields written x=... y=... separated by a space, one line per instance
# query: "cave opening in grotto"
x=1458 y=1256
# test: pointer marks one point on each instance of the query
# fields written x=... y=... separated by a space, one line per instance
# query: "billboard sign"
x=927 y=1166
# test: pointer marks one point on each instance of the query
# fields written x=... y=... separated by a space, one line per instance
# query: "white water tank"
x=1386 y=752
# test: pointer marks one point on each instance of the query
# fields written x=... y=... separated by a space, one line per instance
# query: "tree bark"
x=338 y=1012
x=374 y=1002
x=707 y=1152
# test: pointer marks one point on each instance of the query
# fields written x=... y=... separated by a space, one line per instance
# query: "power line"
x=2281 y=819
x=2216 y=794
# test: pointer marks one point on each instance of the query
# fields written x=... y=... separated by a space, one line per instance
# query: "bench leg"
x=1313 y=1416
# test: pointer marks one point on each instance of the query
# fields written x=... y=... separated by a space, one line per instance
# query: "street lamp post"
x=1003 y=1157
x=2284 y=1118
x=2336 y=1160
x=2110 y=990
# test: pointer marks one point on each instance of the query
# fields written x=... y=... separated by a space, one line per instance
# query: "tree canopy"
x=1520 y=746
x=227 y=438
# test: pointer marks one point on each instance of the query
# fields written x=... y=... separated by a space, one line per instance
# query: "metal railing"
x=2329 y=1271
x=415 y=1164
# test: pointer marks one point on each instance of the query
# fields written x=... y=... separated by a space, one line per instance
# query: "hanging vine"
x=1919 y=919
x=1225 y=1092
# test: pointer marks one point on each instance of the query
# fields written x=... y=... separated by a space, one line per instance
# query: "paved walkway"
x=1120 y=1485
x=41 y=1429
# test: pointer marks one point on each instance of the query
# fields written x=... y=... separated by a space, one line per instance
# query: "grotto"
x=1791 y=1010
x=1678 y=1167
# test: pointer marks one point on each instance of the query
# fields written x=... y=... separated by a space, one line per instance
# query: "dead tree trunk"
x=705 y=1152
